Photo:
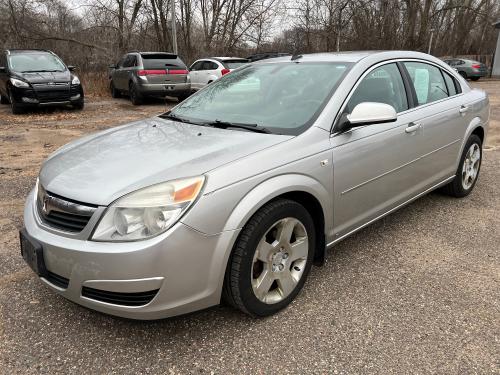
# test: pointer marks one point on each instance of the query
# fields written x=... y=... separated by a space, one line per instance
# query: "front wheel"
x=468 y=169
x=15 y=107
x=79 y=105
x=271 y=259
x=4 y=99
x=475 y=78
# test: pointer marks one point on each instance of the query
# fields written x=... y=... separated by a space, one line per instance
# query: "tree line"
x=95 y=33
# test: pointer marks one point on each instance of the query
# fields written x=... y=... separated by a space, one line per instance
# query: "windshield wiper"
x=171 y=116
x=226 y=124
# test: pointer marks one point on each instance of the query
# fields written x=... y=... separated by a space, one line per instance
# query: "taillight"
x=151 y=72
x=225 y=71
x=177 y=71
x=476 y=66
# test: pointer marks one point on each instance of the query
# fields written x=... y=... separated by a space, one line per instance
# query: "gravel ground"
x=417 y=292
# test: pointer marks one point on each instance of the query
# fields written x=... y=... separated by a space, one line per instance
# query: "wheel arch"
x=477 y=127
x=308 y=192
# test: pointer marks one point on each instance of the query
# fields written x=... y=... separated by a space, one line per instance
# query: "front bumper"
x=185 y=266
x=164 y=89
x=46 y=95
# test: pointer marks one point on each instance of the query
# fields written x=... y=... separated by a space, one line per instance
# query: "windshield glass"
x=35 y=62
x=282 y=97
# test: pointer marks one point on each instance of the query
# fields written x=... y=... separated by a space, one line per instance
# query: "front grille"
x=117 y=298
x=61 y=213
x=57 y=280
x=54 y=95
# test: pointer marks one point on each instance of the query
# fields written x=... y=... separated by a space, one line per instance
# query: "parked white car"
x=205 y=71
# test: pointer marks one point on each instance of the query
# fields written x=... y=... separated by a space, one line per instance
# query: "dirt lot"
x=417 y=292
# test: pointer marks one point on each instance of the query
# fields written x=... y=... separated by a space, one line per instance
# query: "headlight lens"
x=148 y=212
x=18 y=83
x=75 y=80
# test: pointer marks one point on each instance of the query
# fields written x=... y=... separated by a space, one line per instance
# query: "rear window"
x=236 y=63
x=162 y=61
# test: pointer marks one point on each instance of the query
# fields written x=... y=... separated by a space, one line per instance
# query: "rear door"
x=375 y=167
x=209 y=72
x=442 y=111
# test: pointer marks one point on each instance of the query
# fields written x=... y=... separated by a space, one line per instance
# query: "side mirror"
x=367 y=113
x=71 y=68
x=3 y=69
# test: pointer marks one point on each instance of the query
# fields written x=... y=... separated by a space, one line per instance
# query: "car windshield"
x=284 y=98
x=233 y=64
x=35 y=62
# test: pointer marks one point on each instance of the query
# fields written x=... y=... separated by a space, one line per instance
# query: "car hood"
x=104 y=166
x=44 y=77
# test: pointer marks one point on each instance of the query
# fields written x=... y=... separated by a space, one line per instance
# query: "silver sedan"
x=235 y=193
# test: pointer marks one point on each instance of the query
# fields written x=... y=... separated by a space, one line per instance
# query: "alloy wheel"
x=279 y=260
x=470 y=167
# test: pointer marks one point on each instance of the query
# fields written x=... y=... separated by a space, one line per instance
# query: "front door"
x=375 y=166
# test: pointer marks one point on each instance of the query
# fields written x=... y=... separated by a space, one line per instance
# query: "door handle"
x=412 y=127
x=463 y=109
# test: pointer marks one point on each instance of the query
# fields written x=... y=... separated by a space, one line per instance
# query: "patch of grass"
x=95 y=84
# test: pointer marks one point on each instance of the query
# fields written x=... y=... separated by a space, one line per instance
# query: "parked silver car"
x=238 y=190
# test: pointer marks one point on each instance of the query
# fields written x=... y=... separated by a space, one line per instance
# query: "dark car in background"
x=266 y=55
x=468 y=68
x=149 y=74
x=34 y=78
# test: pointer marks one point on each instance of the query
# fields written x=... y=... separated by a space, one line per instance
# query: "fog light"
x=29 y=100
x=74 y=97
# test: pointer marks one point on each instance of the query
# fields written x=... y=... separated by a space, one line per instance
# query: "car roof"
x=352 y=56
x=226 y=58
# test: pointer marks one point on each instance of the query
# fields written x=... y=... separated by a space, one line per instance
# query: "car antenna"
x=296 y=57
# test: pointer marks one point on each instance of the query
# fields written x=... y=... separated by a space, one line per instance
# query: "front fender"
x=272 y=188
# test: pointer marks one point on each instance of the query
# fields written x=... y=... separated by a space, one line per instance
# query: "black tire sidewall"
x=458 y=177
x=250 y=301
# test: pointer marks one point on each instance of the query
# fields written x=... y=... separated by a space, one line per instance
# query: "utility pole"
x=174 y=29
x=430 y=41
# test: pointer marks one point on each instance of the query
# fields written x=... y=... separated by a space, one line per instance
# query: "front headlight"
x=75 y=80
x=148 y=212
x=18 y=83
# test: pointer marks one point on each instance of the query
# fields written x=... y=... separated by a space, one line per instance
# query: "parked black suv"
x=143 y=74
x=32 y=78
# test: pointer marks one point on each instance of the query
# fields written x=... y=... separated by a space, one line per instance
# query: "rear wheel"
x=468 y=169
x=271 y=259
x=135 y=96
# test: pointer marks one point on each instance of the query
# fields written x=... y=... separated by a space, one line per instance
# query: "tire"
x=475 y=78
x=4 y=99
x=182 y=98
x=15 y=107
x=114 y=92
x=135 y=97
x=463 y=74
x=281 y=277
x=458 y=188
x=79 y=105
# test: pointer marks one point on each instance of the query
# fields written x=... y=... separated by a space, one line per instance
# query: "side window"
x=213 y=66
x=197 y=65
x=450 y=84
x=383 y=85
x=205 y=65
x=129 y=61
x=428 y=82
